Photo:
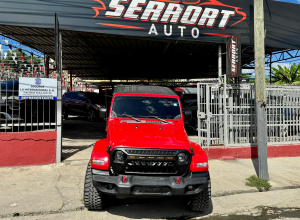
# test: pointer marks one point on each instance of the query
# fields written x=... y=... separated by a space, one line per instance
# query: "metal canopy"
x=103 y=42
x=102 y=56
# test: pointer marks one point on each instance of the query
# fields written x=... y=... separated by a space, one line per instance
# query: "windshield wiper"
x=157 y=118
x=129 y=116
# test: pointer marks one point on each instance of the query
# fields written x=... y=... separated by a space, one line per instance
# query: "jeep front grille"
x=150 y=162
x=151 y=152
x=150 y=167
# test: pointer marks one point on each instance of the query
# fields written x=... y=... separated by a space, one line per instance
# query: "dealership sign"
x=188 y=20
x=37 y=88
x=234 y=56
x=178 y=19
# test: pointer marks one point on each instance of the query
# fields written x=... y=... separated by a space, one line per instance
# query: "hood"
x=148 y=135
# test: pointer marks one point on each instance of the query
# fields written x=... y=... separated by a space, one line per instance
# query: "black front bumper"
x=150 y=185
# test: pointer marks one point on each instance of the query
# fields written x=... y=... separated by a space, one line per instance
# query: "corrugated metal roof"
x=100 y=56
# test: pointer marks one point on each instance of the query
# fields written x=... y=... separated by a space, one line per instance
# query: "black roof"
x=159 y=90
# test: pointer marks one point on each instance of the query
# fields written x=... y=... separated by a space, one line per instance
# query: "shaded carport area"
x=96 y=56
x=98 y=44
x=100 y=47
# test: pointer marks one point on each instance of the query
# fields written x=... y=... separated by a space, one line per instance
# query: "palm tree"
x=285 y=75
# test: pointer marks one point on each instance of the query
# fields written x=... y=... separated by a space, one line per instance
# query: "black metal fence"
x=17 y=115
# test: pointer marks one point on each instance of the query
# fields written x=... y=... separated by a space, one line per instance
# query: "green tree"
x=286 y=75
x=17 y=66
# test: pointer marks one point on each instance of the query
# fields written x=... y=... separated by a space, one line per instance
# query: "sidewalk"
x=59 y=187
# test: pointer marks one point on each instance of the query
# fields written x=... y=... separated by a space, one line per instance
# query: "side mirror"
x=187 y=115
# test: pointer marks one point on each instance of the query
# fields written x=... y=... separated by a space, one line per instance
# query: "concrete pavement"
x=58 y=188
x=56 y=191
x=264 y=205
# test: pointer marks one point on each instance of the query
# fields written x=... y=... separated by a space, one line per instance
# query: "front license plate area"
x=151 y=190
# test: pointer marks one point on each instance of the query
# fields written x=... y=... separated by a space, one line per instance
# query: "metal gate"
x=210 y=114
x=227 y=114
x=19 y=115
x=27 y=115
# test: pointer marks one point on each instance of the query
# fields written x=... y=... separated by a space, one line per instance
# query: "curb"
x=249 y=152
x=252 y=190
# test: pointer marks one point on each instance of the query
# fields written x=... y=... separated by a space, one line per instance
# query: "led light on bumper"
x=201 y=164
x=99 y=162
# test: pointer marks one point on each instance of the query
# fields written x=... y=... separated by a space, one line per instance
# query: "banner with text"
x=37 y=88
x=233 y=56
x=188 y=20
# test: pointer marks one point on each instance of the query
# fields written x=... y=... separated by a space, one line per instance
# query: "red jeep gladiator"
x=147 y=152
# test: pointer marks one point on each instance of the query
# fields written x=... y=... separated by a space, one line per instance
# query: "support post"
x=220 y=78
x=198 y=113
x=208 y=96
x=260 y=89
x=225 y=112
x=44 y=64
x=220 y=62
x=71 y=80
x=270 y=68
x=47 y=66
x=59 y=122
x=58 y=67
x=31 y=56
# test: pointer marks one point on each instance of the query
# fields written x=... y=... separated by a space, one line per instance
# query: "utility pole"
x=260 y=89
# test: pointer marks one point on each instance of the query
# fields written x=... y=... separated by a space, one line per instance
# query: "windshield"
x=146 y=107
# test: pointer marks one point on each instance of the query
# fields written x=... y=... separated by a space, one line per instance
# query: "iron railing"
x=24 y=115
x=229 y=118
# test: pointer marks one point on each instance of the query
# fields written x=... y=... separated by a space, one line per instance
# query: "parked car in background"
x=189 y=107
x=89 y=104
x=27 y=111
x=9 y=103
x=188 y=99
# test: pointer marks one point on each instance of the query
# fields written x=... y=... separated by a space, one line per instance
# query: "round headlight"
x=119 y=156
x=182 y=157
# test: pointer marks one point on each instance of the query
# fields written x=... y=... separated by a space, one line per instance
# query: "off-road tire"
x=93 y=200
x=201 y=201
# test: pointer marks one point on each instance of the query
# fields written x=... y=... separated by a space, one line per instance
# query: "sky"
x=283 y=63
